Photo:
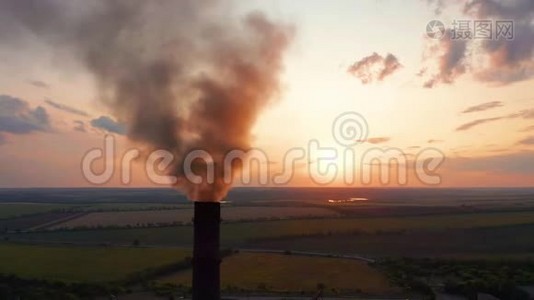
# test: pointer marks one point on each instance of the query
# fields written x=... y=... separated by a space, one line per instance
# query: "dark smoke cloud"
x=483 y=107
x=374 y=67
x=66 y=108
x=108 y=124
x=17 y=117
x=182 y=75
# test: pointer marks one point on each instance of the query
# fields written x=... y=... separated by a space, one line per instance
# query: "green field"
x=11 y=210
x=87 y=264
x=282 y=273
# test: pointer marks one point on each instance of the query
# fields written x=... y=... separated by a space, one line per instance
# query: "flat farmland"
x=73 y=264
x=11 y=210
x=502 y=241
x=154 y=217
x=281 y=273
x=27 y=222
x=238 y=234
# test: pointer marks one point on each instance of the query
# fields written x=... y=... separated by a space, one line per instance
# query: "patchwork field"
x=236 y=234
x=102 y=235
x=277 y=272
x=88 y=264
x=143 y=218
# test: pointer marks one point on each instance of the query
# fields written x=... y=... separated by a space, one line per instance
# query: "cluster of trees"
x=499 y=278
x=128 y=226
x=502 y=289
x=179 y=223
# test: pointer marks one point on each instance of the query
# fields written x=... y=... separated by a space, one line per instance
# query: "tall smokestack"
x=206 y=257
x=184 y=76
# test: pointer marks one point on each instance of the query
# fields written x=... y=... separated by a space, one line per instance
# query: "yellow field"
x=279 y=272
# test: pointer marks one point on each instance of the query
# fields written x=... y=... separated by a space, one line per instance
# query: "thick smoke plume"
x=183 y=75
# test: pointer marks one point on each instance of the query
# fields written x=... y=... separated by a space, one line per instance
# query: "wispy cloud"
x=79 y=126
x=374 y=67
x=108 y=124
x=483 y=107
x=527 y=141
x=438 y=6
x=474 y=123
x=66 y=108
x=528 y=128
x=378 y=140
x=17 y=117
x=523 y=114
x=39 y=84
x=375 y=140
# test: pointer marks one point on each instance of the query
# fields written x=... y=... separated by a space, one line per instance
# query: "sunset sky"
x=470 y=100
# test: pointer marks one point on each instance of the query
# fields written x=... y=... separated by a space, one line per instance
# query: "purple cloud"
x=483 y=107
x=374 y=67
x=66 y=108
x=16 y=116
x=108 y=124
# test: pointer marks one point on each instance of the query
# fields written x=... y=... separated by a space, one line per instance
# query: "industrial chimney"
x=206 y=257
